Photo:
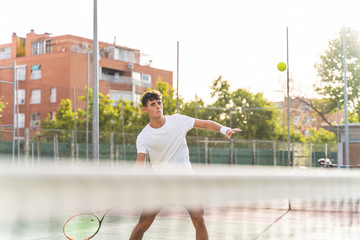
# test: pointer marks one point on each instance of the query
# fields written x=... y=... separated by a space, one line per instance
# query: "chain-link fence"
x=38 y=145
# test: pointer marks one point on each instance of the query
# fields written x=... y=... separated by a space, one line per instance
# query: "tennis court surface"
x=239 y=203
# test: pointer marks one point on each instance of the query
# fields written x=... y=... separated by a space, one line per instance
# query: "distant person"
x=163 y=139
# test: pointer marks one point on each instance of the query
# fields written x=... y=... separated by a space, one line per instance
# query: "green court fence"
x=39 y=144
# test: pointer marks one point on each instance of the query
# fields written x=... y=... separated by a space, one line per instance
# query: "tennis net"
x=239 y=202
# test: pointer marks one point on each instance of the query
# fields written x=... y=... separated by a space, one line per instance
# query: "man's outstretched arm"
x=215 y=127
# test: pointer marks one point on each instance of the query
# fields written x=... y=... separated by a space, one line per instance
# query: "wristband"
x=223 y=129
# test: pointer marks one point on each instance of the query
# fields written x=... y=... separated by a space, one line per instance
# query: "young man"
x=164 y=140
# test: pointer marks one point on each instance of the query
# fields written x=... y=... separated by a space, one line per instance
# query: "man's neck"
x=158 y=122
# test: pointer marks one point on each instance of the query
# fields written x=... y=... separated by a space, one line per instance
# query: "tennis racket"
x=83 y=226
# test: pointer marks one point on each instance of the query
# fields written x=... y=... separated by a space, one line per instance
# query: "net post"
x=289 y=204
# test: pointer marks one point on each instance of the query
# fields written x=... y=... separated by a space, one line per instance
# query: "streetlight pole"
x=87 y=105
x=95 y=113
x=347 y=162
x=288 y=95
x=177 y=79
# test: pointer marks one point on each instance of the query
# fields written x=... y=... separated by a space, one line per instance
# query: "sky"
x=242 y=41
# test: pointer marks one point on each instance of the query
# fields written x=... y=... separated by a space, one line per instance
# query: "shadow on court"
x=223 y=223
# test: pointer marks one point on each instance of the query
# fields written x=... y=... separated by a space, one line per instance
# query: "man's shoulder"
x=178 y=116
x=182 y=120
x=144 y=131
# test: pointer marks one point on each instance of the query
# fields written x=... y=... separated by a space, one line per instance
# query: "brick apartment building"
x=303 y=117
x=49 y=68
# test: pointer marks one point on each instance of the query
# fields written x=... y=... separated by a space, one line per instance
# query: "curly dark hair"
x=150 y=96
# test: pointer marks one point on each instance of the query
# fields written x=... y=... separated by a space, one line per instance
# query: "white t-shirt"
x=166 y=146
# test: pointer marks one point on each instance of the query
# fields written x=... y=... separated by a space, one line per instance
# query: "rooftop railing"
x=124 y=80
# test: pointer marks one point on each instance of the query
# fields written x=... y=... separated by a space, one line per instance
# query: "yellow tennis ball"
x=281 y=66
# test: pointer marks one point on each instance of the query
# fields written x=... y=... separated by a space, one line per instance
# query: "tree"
x=250 y=112
x=107 y=113
x=320 y=136
x=168 y=93
x=257 y=118
x=2 y=106
x=188 y=109
x=134 y=119
x=110 y=116
x=330 y=70
x=64 y=119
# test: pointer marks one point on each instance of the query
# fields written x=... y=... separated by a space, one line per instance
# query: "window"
x=297 y=120
x=117 y=95
x=35 y=120
x=20 y=73
x=35 y=96
x=52 y=115
x=41 y=47
x=20 y=120
x=36 y=71
x=20 y=96
x=5 y=53
x=53 y=95
x=136 y=76
x=123 y=55
x=146 y=78
x=308 y=120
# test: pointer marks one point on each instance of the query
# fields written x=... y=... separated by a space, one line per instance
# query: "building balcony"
x=124 y=80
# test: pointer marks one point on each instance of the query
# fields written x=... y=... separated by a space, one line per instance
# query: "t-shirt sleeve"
x=140 y=145
x=187 y=122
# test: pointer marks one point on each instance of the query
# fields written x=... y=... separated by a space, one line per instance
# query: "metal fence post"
x=197 y=137
x=77 y=152
x=235 y=156
x=32 y=155
x=56 y=150
x=253 y=152
x=123 y=129
x=274 y=153
x=326 y=150
x=72 y=145
x=27 y=144
x=111 y=146
x=38 y=149
x=231 y=151
x=116 y=152
x=310 y=154
x=207 y=151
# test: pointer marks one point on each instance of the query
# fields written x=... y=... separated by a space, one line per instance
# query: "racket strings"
x=81 y=227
